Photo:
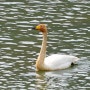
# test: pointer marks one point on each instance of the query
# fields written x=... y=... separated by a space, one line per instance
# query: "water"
x=68 y=25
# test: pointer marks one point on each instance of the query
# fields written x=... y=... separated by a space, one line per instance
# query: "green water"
x=68 y=25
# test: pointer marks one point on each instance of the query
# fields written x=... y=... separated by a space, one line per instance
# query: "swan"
x=55 y=61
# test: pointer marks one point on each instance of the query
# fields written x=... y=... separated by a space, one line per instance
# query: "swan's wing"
x=57 y=61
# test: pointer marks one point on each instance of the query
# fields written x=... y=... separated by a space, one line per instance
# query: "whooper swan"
x=55 y=61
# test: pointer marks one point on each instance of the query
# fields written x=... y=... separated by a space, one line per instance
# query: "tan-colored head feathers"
x=41 y=27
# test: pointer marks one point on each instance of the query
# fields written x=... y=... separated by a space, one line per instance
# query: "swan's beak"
x=33 y=28
x=36 y=28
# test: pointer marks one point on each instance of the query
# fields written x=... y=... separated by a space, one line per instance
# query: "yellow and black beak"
x=37 y=27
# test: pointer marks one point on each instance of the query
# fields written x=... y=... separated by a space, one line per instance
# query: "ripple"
x=9 y=3
x=68 y=33
x=7 y=39
x=26 y=42
x=10 y=43
x=9 y=57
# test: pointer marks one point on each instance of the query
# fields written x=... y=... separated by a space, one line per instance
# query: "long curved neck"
x=41 y=57
x=43 y=48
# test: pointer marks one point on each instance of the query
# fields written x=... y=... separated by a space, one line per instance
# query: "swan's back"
x=56 y=61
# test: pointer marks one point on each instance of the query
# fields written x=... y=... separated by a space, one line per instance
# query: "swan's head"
x=41 y=28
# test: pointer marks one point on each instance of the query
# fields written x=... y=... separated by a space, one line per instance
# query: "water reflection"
x=68 y=33
x=63 y=79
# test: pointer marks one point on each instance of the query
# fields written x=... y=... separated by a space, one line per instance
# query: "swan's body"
x=56 y=61
x=53 y=62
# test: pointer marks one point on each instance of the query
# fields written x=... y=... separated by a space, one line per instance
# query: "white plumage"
x=56 y=61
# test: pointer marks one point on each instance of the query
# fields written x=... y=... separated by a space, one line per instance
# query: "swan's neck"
x=41 y=57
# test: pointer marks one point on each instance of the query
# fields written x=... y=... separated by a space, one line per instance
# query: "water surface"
x=68 y=25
